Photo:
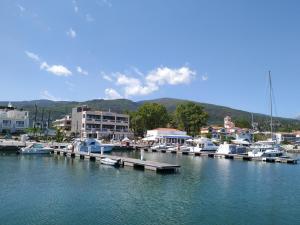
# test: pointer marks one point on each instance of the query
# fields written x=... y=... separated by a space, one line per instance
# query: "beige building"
x=63 y=124
x=99 y=124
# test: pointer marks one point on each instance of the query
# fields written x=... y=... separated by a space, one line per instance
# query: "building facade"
x=13 y=120
x=99 y=124
x=63 y=123
x=167 y=136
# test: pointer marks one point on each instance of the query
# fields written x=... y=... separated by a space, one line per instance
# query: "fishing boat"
x=267 y=148
x=110 y=162
x=36 y=148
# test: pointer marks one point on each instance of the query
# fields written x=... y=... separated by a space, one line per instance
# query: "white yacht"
x=36 y=148
x=90 y=145
x=231 y=149
x=202 y=144
x=266 y=149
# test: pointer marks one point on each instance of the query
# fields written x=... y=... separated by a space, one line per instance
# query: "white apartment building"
x=13 y=120
x=63 y=123
x=99 y=124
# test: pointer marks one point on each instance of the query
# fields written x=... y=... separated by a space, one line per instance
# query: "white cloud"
x=71 y=33
x=58 y=70
x=32 y=56
x=89 y=18
x=47 y=95
x=76 y=8
x=204 y=77
x=133 y=86
x=112 y=94
x=82 y=71
x=164 y=75
x=21 y=8
x=106 y=77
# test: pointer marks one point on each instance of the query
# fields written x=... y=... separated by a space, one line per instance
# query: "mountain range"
x=216 y=113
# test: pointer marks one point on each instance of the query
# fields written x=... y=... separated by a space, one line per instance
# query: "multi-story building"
x=63 y=123
x=99 y=124
x=13 y=120
x=289 y=137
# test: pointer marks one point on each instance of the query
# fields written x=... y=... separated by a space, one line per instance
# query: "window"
x=6 y=123
x=20 y=124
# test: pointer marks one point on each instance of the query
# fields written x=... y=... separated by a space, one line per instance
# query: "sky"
x=211 y=51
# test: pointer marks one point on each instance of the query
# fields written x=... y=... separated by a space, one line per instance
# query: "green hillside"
x=216 y=113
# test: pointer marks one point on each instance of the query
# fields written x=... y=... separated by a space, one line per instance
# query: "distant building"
x=214 y=131
x=99 y=124
x=228 y=124
x=166 y=135
x=63 y=123
x=289 y=137
x=13 y=120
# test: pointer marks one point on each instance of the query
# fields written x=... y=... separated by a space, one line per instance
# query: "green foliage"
x=148 y=116
x=33 y=130
x=59 y=136
x=190 y=117
x=242 y=123
x=260 y=137
x=208 y=135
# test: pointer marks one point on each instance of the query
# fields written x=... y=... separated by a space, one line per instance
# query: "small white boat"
x=203 y=145
x=36 y=148
x=111 y=162
x=158 y=146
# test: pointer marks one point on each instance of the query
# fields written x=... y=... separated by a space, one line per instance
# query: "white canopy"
x=126 y=139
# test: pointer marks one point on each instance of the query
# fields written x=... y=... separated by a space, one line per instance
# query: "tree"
x=242 y=123
x=148 y=116
x=190 y=117
x=59 y=136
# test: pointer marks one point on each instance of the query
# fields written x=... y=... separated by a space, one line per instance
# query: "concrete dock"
x=125 y=161
x=229 y=156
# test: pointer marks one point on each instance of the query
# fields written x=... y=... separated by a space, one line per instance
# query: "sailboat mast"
x=271 y=104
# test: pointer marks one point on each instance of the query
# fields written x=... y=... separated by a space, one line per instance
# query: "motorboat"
x=202 y=144
x=110 y=162
x=90 y=145
x=158 y=146
x=227 y=148
x=266 y=149
x=36 y=148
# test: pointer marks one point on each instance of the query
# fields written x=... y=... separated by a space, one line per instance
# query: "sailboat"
x=267 y=148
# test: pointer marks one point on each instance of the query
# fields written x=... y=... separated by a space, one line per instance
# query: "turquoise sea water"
x=59 y=190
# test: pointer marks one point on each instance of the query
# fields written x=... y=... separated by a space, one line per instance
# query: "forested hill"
x=216 y=113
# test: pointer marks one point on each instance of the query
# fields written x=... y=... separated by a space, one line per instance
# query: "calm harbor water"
x=58 y=190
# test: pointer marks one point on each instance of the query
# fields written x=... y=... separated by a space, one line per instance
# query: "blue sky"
x=211 y=51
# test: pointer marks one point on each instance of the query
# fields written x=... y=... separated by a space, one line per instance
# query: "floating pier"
x=229 y=156
x=125 y=161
